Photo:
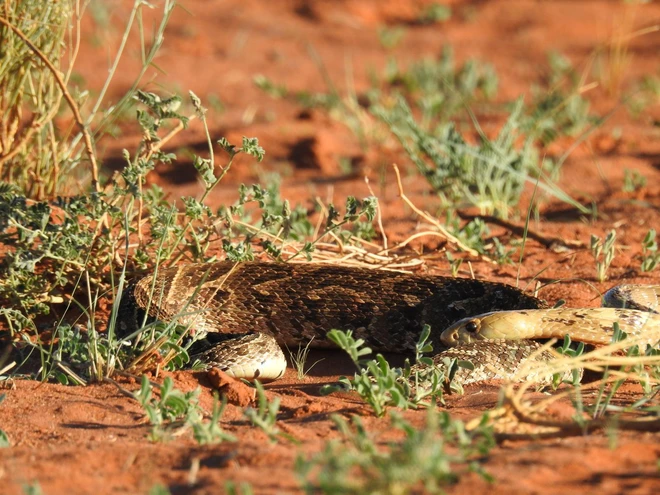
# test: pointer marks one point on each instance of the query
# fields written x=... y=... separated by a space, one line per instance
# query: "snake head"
x=462 y=332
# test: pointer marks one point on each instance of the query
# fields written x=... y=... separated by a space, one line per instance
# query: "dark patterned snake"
x=242 y=313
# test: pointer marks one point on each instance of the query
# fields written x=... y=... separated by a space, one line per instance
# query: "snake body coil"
x=242 y=311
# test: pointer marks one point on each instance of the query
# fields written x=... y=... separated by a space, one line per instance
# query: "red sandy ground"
x=93 y=440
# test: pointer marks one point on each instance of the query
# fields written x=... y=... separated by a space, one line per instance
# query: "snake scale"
x=242 y=312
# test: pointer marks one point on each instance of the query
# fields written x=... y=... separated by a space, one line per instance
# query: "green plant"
x=74 y=351
x=633 y=181
x=171 y=405
x=561 y=71
x=210 y=432
x=437 y=87
x=33 y=488
x=390 y=37
x=568 y=349
x=475 y=234
x=282 y=228
x=650 y=255
x=604 y=396
x=434 y=13
x=159 y=489
x=603 y=253
x=646 y=93
x=79 y=244
x=78 y=250
x=490 y=175
x=299 y=359
x=265 y=415
x=422 y=461
x=174 y=409
x=61 y=243
x=471 y=234
x=554 y=113
x=622 y=361
x=381 y=385
x=501 y=253
x=640 y=365
x=69 y=245
x=558 y=107
x=269 y=87
x=232 y=488
x=4 y=439
x=454 y=263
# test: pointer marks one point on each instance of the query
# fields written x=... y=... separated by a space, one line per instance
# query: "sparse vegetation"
x=232 y=488
x=620 y=362
x=31 y=80
x=381 y=385
x=159 y=489
x=4 y=439
x=175 y=410
x=210 y=432
x=454 y=263
x=70 y=252
x=650 y=255
x=78 y=250
x=435 y=12
x=558 y=109
x=438 y=87
x=490 y=176
x=633 y=181
x=264 y=416
x=603 y=253
x=425 y=459
x=476 y=235
x=644 y=95
x=33 y=488
x=73 y=233
x=390 y=37
x=299 y=359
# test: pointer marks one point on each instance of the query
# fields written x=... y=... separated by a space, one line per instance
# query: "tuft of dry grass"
x=520 y=416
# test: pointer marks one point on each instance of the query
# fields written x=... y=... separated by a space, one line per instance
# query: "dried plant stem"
x=67 y=96
x=450 y=238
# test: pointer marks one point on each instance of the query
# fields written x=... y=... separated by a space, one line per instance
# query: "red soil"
x=94 y=440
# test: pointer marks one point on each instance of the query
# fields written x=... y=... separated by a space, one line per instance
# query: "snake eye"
x=472 y=326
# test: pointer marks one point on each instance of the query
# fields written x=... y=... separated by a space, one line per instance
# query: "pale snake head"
x=462 y=332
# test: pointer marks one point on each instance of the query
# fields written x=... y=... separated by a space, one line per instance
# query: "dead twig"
x=450 y=238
